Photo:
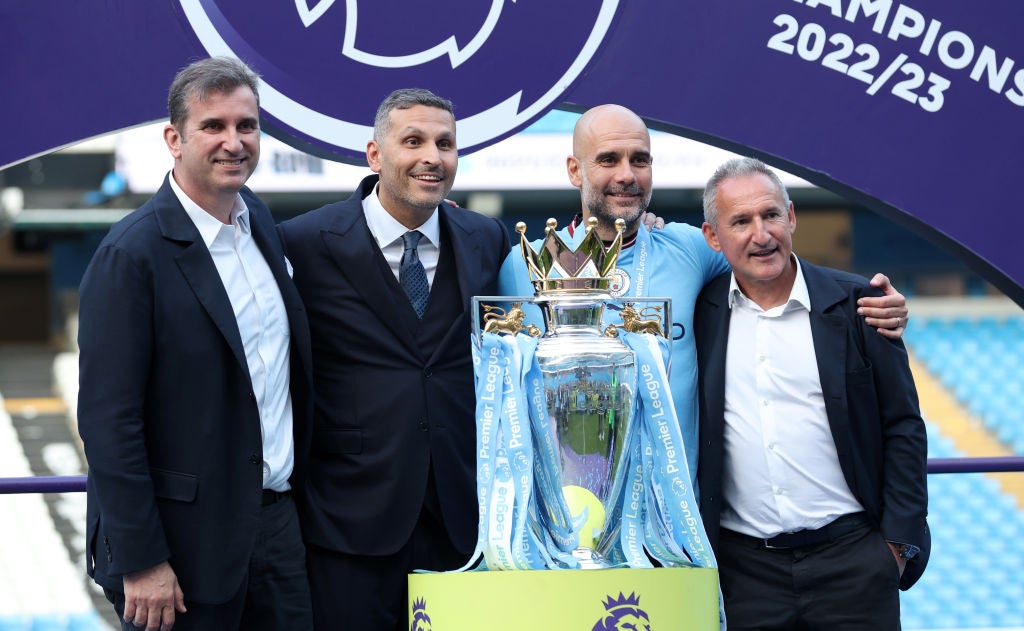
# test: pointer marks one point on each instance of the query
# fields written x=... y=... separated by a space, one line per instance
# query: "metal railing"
x=74 y=483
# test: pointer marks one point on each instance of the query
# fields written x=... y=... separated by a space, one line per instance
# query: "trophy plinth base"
x=681 y=599
x=590 y=560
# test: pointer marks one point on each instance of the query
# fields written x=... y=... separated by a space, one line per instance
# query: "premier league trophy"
x=585 y=400
x=580 y=461
x=589 y=376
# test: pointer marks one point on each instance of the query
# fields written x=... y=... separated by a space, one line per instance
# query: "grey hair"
x=404 y=99
x=737 y=167
x=200 y=78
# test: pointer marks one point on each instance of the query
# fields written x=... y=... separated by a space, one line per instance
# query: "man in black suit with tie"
x=813 y=452
x=387 y=277
x=195 y=385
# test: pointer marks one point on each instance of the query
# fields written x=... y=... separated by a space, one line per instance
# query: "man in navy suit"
x=387 y=277
x=813 y=452
x=195 y=398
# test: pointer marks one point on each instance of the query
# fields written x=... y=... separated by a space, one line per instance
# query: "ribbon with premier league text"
x=525 y=522
x=513 y=459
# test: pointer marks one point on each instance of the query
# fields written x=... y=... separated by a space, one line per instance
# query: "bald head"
x=611 y=165
x=603 y=120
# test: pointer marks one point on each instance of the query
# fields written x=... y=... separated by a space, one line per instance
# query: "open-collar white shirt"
x=782 y=470
x=262 y=323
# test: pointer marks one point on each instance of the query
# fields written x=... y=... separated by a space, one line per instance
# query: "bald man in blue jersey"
x=611 y=164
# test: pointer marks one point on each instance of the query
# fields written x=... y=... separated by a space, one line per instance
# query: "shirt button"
x=255 y=459
x=427 y=373
x=423 y=426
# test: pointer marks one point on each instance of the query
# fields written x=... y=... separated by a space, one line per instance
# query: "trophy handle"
x=648 y=319
x=492 y=317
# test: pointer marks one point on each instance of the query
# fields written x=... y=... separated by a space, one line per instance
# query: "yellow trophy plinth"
x=660 y=599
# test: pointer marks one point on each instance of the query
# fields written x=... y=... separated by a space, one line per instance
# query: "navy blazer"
x=387 y=413
x=870 y=399
x=165 y=408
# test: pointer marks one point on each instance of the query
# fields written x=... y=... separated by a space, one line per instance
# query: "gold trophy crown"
x=557 y=267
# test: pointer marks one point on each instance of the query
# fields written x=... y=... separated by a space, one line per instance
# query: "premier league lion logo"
x=623 y=614
x=420 y=619
x=326 y=64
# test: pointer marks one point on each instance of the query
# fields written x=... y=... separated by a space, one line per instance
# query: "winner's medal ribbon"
x=555 y=519
x=669 y=477
x=488 y=375
x=509 y=511
x=527 y=550
x=677 y=513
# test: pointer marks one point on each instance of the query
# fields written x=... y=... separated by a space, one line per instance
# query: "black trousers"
x=372 y=592
x=849 y=584
x=275 y=593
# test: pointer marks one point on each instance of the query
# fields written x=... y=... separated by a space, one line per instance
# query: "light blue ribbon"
x=524 y=518
x=677 y=511
x=489 y=368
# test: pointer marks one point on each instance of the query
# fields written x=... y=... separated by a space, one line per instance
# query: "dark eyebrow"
x=249 y=120
x=410 y=130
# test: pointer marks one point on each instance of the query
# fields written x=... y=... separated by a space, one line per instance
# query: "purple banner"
x=913 y=109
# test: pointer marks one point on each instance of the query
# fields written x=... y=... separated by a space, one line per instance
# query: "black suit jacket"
x=870 y=399
x=166 y=409
x=386 y=412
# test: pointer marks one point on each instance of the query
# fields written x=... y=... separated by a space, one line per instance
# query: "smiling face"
x=417 y=159
x=611 y=165
x=755 y=232
x=216 y=148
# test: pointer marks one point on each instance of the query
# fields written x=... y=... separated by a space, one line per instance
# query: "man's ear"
x=173 y=140
x=373 y=156
x=575 y=170
x=711 y=236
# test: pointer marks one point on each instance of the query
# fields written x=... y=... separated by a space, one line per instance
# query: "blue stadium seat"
x=973 y=579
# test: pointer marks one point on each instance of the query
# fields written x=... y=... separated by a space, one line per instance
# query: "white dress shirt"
x=782 y=471
x=387 y=231
x=263 y=325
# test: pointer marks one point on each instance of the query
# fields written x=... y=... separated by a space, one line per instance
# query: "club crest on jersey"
x=325 y=65
x=620 y=283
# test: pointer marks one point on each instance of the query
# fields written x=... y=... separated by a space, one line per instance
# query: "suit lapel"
x=715 y=339
x=354 y=250
x=466 y=255
x=829 y=330
x=197 y=267
x=466 y=249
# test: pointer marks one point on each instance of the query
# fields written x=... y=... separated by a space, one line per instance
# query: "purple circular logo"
x=327 y=64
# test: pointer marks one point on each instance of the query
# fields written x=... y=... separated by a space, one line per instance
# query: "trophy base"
x=680 y=599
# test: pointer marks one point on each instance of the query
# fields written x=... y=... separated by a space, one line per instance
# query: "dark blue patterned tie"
x=412 y=275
